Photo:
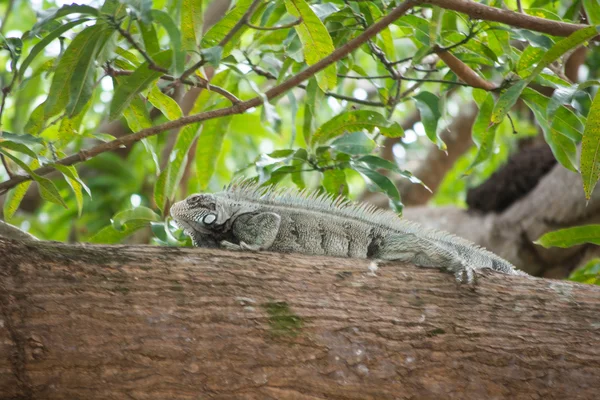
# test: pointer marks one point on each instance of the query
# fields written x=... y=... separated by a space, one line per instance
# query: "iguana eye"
x=209 y=219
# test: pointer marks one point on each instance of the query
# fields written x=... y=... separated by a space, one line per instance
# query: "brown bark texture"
x=146 y=322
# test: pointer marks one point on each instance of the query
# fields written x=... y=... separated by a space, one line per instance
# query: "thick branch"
x=239 y=108
x=481 y=11
x=116 y=322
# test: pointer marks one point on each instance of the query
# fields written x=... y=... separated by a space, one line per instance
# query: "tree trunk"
x=145 y=322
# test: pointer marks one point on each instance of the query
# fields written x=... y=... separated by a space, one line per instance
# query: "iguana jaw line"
x=192 y=226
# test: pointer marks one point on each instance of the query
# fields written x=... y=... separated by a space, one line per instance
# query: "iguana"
x=245 y=216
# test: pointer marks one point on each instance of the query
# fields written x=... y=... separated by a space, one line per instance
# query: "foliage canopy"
x=160 y=103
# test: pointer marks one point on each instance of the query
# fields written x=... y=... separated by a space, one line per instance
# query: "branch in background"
x=151 y=64
x=480 y=11
x=202 y=83
x=268 y=75
x=406 y=79
x=239 y=108
x=463 y=71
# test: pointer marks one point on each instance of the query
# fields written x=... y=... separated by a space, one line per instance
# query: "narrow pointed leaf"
x=316 y=41
x=174 y=39
x=41 y=45
x=191 y=23
x=164 y=103
x=571 y=236
x=590 y=149
x=355 y=120
x=220 y=30
x=429 y=108
x=60 y=90
x=136 y=82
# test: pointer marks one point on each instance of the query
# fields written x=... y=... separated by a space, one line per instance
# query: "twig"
x=259 y=71
x=406 y=78
x=202 y=83
x=6 y=167
x=239 y=108
x=151 y=64
x=274 y=28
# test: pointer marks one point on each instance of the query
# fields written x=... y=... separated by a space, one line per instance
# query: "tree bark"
x=145 y=322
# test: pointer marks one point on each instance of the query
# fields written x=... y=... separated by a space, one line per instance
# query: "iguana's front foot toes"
x=242 y=246
x=229 y=246
x=250 y=247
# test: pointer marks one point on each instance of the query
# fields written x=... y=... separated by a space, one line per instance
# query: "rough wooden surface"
x=117 y=322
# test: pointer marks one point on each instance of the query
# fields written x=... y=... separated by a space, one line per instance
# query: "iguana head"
x=198 y=216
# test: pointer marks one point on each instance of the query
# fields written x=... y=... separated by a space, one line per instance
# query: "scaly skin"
x=247 y=217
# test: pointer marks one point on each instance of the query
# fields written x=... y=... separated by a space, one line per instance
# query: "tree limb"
x=481 y=11
x=99 y=322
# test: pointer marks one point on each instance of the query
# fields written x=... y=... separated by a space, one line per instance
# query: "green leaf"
x=164 y=103
x=385 y=184
x=429 y=108
x=149 y=37
x=356 y=143
x=170 y=176
x=560 y=96
x=52 y=14
x=571 y=236
x=510 y=97
x=316 y=42
x=312 y=93
x=209 y=148
x=212 y=55
x=41 y=45
x=21 y=148
x=76 y=184
x=174 y=39
x=138 y=213
x=16 y=195
x=110 y=235
x=48 y=190
x=507 y=100
x=561 y=47
x=375 y=163
x=589 y=273
x=592 y=10
x=191 y=23
x=529 y=57
x=218 y=31
x=137 y=115
x=298 y=161
x=353 y=121
x=590 y=149
x=60 y=89
x=13 y=199
x=560 y=141
x=141 y=9
x=26 y=139
x=483 y=134
x=334 y=182
x=82 y=81
x=136 y=82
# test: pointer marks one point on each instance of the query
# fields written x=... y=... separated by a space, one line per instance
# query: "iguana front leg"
x=254 y=231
